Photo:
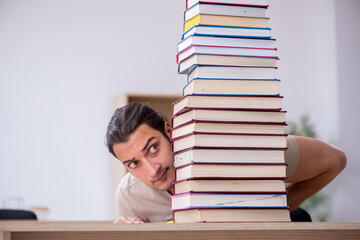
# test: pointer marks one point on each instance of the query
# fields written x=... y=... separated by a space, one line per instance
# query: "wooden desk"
x=158 y=231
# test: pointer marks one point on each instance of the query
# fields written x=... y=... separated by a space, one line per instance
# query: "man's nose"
x=153 y=168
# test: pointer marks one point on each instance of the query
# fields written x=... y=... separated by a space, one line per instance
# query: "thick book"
x=190 y=63
x=230 y=51
x=234 y=86
x=225 y=42
x=229 y=140
x=228 y=200
x=225 y=10
x=229 y=115
x=211 y=155
x=227 y=31
x=227 y=102
x=219 y=20
x=231 y=215
x=227 y=127
x=255 y=3
x=230 y=171
x=229 y=185
x=230 y=72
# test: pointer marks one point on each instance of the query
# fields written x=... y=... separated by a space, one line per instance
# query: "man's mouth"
x=163 y=176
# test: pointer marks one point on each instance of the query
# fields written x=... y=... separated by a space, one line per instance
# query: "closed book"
x=231 y=215
x=227 y=127
x=227 y=31
x=229 y=140
x=225 y=10
x=228 y=200
x=225 y=42
x=190 y=63
x=230 y=51
x=234 y=86
x=231 y=72
x=219 y=20
x=257 y=3
x=229 y=185
x=230 y=171
x=190 y=114
x=227 y=102
x=211 y=155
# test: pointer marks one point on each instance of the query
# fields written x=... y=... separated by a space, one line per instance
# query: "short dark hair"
x=128 y=118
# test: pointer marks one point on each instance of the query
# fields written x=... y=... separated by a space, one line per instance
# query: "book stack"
x=228 y=128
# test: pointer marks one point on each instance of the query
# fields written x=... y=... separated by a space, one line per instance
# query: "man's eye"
x=153 y=148
x=133 y=164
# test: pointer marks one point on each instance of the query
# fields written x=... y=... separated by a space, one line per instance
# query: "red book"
x=270 y=185
x=230 y=102
x=232 y=215
x=229 y=140
x=231 y=171
x=227 y=127
x=227 y=115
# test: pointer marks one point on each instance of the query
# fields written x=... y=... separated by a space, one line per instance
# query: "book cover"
x=227 y=102
x=223 y=9
x=234 y=21
x=231 y=171
x=225 y=51
x=226 y=42
x=231 y=215
x=227 y=31
x=186 y=66
x=211 y=155
x=228 y=200
x=233 y=127
x=254 y=87
x=254 y=3
x=271 y=185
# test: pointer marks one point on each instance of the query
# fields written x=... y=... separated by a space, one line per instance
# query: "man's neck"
x=170 y=191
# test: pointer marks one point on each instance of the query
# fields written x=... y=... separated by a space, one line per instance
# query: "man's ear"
x=167 y=129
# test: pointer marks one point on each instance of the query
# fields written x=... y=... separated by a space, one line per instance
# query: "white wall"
x=305 y=36
x=62 y=63
x=348 y=51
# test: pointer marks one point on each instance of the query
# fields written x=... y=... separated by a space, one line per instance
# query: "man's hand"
x=122 y=220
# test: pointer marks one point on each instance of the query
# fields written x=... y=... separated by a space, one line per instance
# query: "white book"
x=226 y=10
x=228 y=156
x=230 y=72
x=217 y=140
x=262 y=3
x=223 y=200
x=190 y=63
x=227 y=31
x=227 y=115
x=230 y=51
x=226 y=42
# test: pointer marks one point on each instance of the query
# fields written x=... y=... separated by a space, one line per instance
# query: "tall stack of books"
x=228 y=128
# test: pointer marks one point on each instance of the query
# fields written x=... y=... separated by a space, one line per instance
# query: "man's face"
x=148 y=156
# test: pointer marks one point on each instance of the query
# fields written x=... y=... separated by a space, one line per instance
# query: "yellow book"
x=219 y=20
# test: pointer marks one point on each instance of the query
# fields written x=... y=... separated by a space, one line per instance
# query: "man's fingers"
x=144 y=219
x=129 y=220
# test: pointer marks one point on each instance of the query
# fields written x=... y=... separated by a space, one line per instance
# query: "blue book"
x=227 y=31
x=229 y=200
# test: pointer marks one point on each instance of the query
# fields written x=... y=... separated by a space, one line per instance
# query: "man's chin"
x=164 y=186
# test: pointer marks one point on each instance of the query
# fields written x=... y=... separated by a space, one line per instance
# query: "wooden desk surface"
x=107 y=230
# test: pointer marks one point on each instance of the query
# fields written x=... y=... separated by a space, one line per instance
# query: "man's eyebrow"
x=146 y=145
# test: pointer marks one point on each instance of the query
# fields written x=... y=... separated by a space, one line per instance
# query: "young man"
x=139 y=137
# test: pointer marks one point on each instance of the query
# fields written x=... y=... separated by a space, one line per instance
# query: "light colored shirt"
x=134 y=198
